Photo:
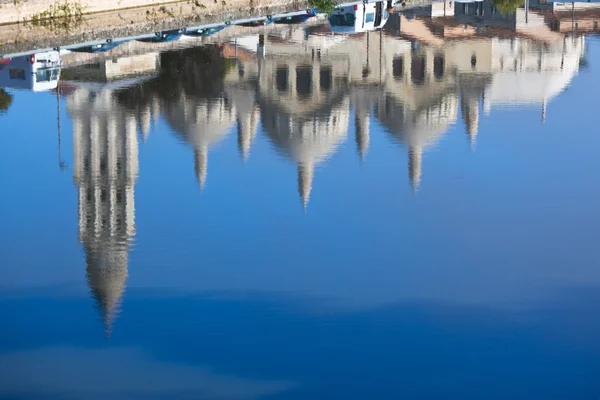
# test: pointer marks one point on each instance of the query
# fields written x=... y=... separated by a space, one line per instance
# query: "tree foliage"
x=507 y=6
x=323 y=6
x=5 y=100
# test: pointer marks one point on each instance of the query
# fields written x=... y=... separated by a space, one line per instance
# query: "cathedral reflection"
x=306 y=89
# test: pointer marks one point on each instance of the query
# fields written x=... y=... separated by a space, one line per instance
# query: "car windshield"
x=47 y=75
x=342 y=20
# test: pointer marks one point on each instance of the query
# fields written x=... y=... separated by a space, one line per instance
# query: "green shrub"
x=5 y=100
x=323 y=6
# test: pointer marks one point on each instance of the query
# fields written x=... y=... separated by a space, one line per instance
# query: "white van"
x=36 y=72
x=359 y=17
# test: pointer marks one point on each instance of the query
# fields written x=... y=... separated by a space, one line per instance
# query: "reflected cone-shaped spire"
x=106 y=276
x=155 y=109
x=470 y=115
x=414 y=167
x=361 y=123
x=544 y=111
x=305 y=177
x=247 y=125
x=201 y=164
x=145 y=122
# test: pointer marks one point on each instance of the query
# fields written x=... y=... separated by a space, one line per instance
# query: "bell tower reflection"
x=105 y=150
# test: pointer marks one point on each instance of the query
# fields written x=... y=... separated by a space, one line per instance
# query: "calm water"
x=300 y=215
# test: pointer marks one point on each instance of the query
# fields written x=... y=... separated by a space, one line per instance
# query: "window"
x=473 y=61
x=438 y=67
x=325 y=78
x=417 y=70
x=16 y=74
x=92 y=66
x=398 y=68
x=281 y=79
x=304 y=81
x=342 y=20
x=369 y=17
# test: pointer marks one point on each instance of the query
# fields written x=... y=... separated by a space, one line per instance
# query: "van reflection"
x=359 y=17
x=37 y=72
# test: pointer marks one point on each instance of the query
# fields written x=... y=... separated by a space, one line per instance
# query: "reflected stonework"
x=105 y=151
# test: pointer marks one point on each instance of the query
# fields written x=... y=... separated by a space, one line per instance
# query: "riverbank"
x=19 y=11
x=133 y=21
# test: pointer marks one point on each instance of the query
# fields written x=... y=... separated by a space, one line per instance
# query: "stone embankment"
x=19 y=11
x=125 y=21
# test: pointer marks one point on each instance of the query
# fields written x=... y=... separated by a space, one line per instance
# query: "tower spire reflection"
x=105 y=147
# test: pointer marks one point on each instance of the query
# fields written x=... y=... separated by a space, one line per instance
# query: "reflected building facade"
x=307 y=87
x=417 y=92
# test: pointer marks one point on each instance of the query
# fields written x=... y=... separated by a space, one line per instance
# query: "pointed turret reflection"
x=194 y=105
x=243 y=96
x=420 y=103
x=472 y=87
x=305 y=110
x=418 y=129
x=202 y=123
x=363 y=101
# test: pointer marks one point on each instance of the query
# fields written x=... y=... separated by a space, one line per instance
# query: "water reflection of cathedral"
x=105 y=151
x=303 y=86
x=305 y=89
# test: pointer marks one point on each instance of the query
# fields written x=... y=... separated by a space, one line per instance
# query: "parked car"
x=164 y=36
x=297 y=18
x=260 y=22
x=205 y=31
x=36 y=72
x=358 y=17
x=98 y=48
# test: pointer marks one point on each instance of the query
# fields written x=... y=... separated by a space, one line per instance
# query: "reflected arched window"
x=398 y=67
x=281 y=79
x=304 y=81
x=325 y=78
x=417 y=70
x=438 y=67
